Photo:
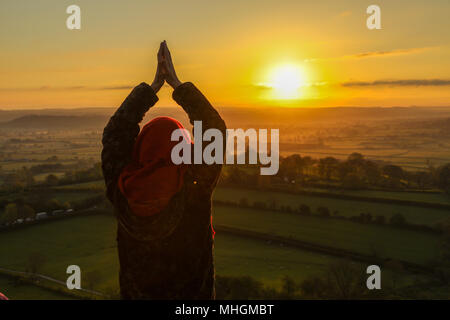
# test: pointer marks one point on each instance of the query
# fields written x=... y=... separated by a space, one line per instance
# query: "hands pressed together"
x=165 y=70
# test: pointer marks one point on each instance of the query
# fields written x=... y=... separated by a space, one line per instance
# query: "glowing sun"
x=286 y=81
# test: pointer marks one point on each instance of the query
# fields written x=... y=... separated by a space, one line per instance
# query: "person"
x=165 y=233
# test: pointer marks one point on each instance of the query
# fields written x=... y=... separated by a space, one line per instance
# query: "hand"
x=159 y=76
x=167 y=67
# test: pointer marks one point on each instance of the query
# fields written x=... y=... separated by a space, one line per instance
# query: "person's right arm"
x=120 y=133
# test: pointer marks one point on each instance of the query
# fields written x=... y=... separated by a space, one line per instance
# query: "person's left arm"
x=120 y=133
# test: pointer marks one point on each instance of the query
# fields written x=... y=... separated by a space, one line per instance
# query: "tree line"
x=354 y=173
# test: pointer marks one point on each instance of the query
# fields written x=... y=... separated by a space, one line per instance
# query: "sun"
x=286 y=81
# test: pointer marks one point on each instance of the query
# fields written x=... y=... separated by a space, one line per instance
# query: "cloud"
x=113 y=88
x=399 y=83
x=259 y=86
x=69 y=88
x=263 y=86
x=374 y=54
x=387 y=53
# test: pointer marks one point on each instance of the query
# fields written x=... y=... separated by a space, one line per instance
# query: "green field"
x=99 y=184
x=428 y=197
x=60 y=196
x=348 y=208
x=90 y=243
x=387 y=242
x=42 y=176
x=416 y=215
x=27 y=291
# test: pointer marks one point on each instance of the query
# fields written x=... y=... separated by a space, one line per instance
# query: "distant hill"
x=50 y=122
x=96 y=118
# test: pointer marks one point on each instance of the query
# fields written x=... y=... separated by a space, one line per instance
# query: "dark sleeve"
x=198 y=108
x=120 y=133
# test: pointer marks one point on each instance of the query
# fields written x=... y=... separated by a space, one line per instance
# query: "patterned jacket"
x=168 y=255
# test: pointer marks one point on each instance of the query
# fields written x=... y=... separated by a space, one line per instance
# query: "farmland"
x=90 y=243
x=45 y=170
x=386 y=242
x=427 y=216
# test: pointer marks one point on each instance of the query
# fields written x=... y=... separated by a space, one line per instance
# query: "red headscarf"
x=151 y=179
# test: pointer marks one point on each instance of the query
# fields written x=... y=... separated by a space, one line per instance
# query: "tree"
x=243 y=202
x=397 y=220
x=372 y=172
x=422 y=179
x=291 y=167
x=92 y=278
x=327 y=166
x=323 y=211
x=444 y=178
x=10 y=214
x=353 y=181
x=36 y=261
x=53 y=204
x=26 y=176
x=443 y=266
x=394 y=172
x=343 y=280
x=397 y=269
x=51 y=180
x=260 y=205
x=13 y=181
x=289 y=288
x=66 y=205
x=304 y=209
x=355 y=158
x=26 y=211
x=380 y=219
x=239 y=288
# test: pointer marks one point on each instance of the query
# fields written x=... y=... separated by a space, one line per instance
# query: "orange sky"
x=232 y=50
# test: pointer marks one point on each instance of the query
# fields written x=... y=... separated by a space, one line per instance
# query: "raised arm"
x=189 y=97
x=123 y=127
x=120 y=133
x=198 y=108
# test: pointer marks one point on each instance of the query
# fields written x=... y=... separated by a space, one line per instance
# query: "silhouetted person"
x=165 y=235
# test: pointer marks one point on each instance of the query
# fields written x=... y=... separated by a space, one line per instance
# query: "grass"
x=387 y=242
x=89 y=242
x=97 y=185
x=27 y=291
x=60 y=196
x=42 y=176
x=416 y=215
x=236 y=256
x=428 y=197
